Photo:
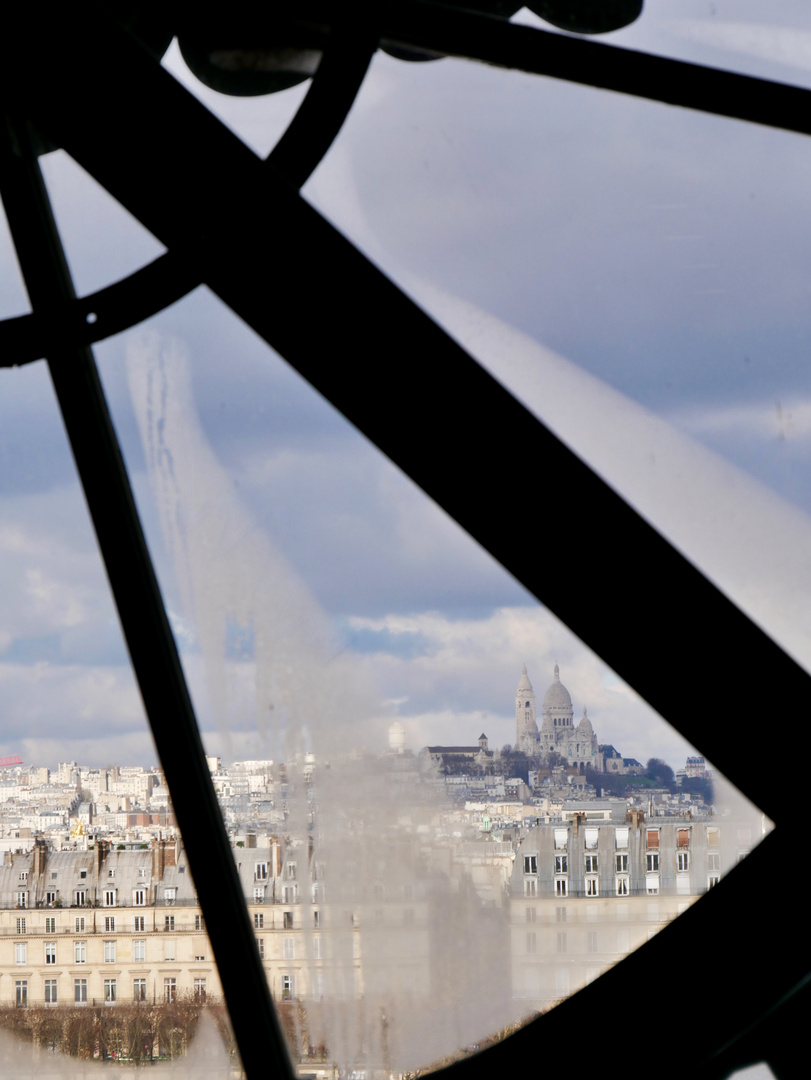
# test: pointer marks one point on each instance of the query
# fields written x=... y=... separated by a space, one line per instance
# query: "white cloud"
x=465 y=679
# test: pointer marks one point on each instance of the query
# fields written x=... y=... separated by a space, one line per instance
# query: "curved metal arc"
x=167 y=279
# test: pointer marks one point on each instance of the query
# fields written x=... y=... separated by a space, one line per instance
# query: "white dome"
x=557 y=696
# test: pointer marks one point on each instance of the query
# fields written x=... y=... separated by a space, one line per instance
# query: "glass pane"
x=347 y=645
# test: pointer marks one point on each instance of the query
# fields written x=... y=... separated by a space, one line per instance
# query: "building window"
x=169 y=990
x=713 y=879
x=168 y=922
x=79 y=952
x=260 y=871
x=139 y=951
x=111 y=873
x=51 y=997
x=291 y=871
x=139 y=924
x=591 y=864
x=714 y=861
x=316 y=919
x=82 y=874
x=80 y=897
x=259 y=920
x=200 y=989
x=652 y=884
x=289 y=948
x=21 y=953
x=530 y=887
x=109 y=952
x=561 y=864
x=713 y=836
x=652 y=863
x=259 y=894
x=682 y=860
x=289 y=894
x=50 y=952
x=622 y=886
x=683 y=838
x=288 y=987
x=317 y=949
x=80 y=991
x=621 y=837
x=531 y=914
x=50 y=926
x=199 y=922
x=80 y=924
x=21 y=992
x=109 y=991
x=261 y=943
x=169 y=949
x=20 y=926
x=592 y=886
x=142 y=872
x=622 y=864
x=139 y=989
x=530 y=864
x=287 y=920
x=532 y=942
x=563 y=941
x=561 y=887
x=22 y=899
x=199 y=957
x=50 y=898
x=23 y=875
x=169 y=896
x=561 y=839
x=139 y=897
x=652 y=838
x=109 y=897
x=109 y=924
x=591 y=838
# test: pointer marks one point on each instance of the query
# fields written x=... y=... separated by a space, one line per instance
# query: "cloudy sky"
x=638 y=275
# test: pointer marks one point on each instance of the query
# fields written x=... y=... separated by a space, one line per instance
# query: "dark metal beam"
x=146 y=628
x=453 y=31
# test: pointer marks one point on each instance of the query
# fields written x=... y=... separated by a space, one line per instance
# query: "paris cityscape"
x=496 y=881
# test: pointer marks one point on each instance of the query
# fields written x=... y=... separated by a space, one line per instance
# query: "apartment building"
x=586 y=895
x=103 y=926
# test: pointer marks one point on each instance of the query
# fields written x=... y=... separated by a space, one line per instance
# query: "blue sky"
x=637 y=274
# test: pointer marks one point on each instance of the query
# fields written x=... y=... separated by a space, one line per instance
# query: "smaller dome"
x=585 y=723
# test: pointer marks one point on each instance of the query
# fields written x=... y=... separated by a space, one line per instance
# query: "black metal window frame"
x=213 y=203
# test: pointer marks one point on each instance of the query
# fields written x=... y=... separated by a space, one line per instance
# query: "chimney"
x=158 y=860
x=38 y=864
x=98 y=858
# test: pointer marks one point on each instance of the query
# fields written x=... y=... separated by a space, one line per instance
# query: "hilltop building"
x=445 y=755
x=558 y=734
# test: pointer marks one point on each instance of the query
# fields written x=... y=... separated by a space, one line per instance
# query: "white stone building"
x=577 y=743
